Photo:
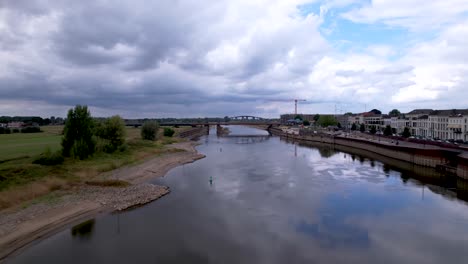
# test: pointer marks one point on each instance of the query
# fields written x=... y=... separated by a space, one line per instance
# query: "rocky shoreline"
x=20 y=226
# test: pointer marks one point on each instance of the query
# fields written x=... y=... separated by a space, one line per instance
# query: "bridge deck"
x=245 y=136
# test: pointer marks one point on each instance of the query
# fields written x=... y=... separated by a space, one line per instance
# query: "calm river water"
x=273 y=201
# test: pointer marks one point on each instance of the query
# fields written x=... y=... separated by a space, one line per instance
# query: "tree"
x=373 y=130
x=316 y=117
x=362 y=128
x=406 y=133
x=298 y=117
x=306 y=123
x=338 y=125
x=348 y=114
x=388 y=130
x=112 y=130
x=327 y=120
x=394 y=112
x=353 y=127
x=376 y=111
x=77 y=138
x=149 y=130
x=168 y=132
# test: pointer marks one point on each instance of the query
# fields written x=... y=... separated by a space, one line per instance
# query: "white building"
x=439 y=124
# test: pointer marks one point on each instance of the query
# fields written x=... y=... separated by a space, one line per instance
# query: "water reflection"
x=83 y=230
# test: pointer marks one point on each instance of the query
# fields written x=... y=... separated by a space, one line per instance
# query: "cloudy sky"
x=175 y=58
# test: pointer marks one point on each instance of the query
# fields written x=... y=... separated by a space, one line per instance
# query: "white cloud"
x=412 y=14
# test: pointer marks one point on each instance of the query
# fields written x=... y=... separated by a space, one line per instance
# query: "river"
x=272 y=201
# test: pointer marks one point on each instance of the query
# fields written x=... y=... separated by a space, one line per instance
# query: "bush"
x=362 y=128
x=31 y=130
x=388 y=130
x=49 y=158
x=306 y=123
x=78 y=138
x=406 y=133
x=149 y=130
x=123 y=147
x=81 y=149
x=5 y=130
x=168 y=132
x=353 y=127
x=113 y=132
x=15 y=130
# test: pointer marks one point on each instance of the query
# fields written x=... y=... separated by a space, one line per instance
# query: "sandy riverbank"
x=21 y=226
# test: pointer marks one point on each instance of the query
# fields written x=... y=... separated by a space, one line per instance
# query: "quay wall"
x=448 y=160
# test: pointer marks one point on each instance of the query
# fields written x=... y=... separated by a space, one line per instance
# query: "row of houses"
x=16 y=124
x=427 y=123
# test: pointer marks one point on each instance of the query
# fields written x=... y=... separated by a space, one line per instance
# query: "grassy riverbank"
x=21 y=180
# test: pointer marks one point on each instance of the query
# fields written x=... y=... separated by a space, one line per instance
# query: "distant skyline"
x=221 y=58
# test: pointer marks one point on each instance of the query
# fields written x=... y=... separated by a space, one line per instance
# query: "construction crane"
x=295 y=104
x=288 y=100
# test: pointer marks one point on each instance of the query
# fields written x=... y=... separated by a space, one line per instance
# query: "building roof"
x=370 y=114
x=420 y=112
x=450 y=112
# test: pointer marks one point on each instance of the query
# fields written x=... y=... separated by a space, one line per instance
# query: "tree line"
x=32 y=120
x=83 y=136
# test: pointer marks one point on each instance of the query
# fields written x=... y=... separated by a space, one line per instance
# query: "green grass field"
x=21 y=180
x=29 y=145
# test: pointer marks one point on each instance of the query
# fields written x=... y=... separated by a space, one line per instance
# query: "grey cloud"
x=152 y=57
x=25 y=6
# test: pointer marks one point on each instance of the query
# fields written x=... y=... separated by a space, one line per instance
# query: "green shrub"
x=406 y=133
x=31 y=130
x=49 y=158
x=149 y=130
x=82 y=149
x=362 y=128
x=168 y=132
x=388 y=130
x=15 y=130
x=5 y=130
x=123 y=147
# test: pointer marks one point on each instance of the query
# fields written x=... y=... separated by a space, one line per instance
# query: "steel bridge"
x=247 y=117
x=235 y=120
